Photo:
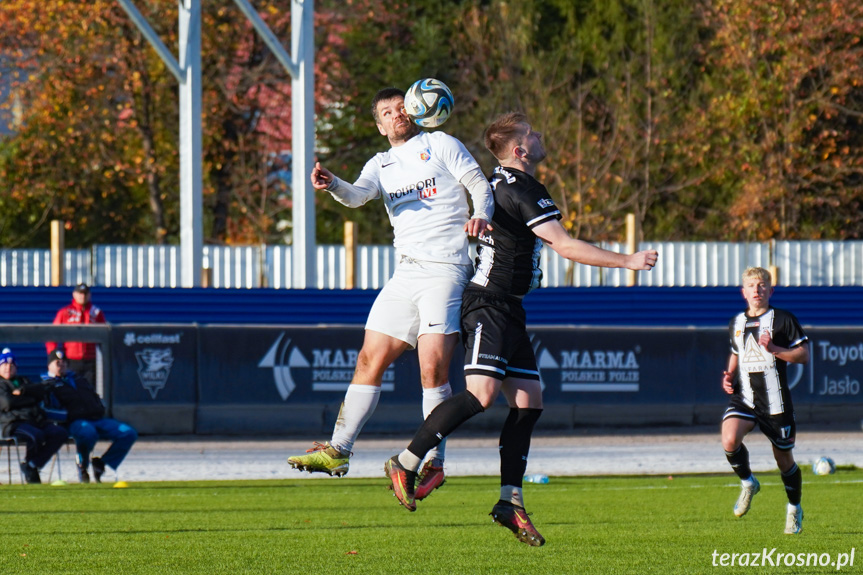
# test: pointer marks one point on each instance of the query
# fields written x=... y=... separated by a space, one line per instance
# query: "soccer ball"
x=823 y=466
x=428 y=102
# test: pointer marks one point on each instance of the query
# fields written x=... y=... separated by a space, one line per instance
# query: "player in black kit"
x=763 y=340
x=499 y=355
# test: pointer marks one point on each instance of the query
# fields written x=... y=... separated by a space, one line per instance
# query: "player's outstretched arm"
x=351 y=195
x=321 y=177
x=555 y=236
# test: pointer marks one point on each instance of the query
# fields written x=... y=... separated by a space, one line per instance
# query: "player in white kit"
x=423 y=180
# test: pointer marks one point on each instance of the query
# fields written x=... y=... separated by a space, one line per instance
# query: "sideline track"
x=648 y=451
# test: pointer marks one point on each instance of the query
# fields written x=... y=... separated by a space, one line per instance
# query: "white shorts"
x=421 y=297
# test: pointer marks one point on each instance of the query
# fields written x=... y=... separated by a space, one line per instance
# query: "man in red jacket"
x=81 y=356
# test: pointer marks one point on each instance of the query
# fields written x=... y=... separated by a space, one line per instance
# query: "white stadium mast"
x=187 y=70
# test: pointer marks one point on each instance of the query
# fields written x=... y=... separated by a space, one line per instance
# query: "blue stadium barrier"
x=641 y=306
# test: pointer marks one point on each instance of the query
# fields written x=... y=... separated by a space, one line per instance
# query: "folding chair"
x=55 y=461
x=8 y=442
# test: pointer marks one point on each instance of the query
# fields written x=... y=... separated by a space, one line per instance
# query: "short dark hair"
x=383 y=95
x=505 y=129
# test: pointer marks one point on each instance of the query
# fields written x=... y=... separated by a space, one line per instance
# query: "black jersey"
x=763 y=383
x=508 y=260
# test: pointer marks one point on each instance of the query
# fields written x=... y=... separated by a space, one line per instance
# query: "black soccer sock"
x=443 y=420
x=793 y=480
x=739 y=461
x=515 y=444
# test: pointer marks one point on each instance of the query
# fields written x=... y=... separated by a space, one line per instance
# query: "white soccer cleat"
x=794 y=520
x=747 y=492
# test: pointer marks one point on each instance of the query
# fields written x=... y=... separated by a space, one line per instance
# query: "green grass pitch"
x=335 y=526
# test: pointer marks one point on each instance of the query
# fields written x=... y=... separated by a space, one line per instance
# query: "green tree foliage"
x=374 y=45
x=607 y=83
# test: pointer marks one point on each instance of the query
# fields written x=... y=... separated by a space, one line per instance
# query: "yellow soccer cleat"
x=322 y=458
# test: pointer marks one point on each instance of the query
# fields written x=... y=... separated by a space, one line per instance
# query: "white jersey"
x=426 y=204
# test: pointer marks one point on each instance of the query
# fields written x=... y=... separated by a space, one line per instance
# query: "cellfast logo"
x=331 y=369
x=131 y=338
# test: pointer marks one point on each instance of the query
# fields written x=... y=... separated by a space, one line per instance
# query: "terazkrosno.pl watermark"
x=774 y=558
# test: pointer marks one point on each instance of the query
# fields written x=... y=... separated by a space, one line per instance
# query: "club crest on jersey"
x=425 y=155
x=545 y=203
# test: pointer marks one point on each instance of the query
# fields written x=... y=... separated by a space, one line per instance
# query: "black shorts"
x=780 y=429
x=495 y=336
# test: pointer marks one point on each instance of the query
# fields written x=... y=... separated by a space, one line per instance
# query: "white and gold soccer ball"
x=823 y=466
x=429 y=103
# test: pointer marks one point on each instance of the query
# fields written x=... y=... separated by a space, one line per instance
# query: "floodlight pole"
x=191 y=148
x=303 y=137
x=188 y=74
x=302 y=70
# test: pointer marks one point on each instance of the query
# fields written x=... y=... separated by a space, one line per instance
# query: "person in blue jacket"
x=82 y=412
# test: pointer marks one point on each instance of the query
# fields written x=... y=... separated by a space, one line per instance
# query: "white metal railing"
x=805 y=263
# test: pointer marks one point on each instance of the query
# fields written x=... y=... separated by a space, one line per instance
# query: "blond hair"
x=507 y=129
x=757 y=272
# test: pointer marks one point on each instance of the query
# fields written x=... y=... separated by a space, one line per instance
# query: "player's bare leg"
x=379 y=351
x=435 y=353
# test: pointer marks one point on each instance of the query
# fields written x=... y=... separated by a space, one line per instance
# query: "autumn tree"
x=98 y=143
x=710 y=120
x=78 y=155
x=784 y=117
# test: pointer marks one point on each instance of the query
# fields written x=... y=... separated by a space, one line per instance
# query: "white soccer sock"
x=432 y=398
x=409 y=461
x=360 y=402
x=512 y=494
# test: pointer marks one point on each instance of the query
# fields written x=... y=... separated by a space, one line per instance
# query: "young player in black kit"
x=764 y=340
x=499 y=355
